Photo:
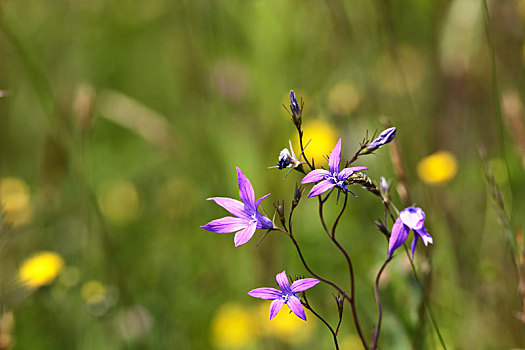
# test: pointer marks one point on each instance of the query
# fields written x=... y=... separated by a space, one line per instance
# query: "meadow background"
x=119 y=118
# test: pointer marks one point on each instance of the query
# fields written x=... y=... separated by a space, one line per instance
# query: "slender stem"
x=302 y=148
x=375 y=336
x=497 y=105
x=425 y=301
x=340 y=214
x=334 y=333
x=305 y=264
x=350 y=269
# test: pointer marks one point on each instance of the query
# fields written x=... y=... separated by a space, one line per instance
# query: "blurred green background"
x=119 y=118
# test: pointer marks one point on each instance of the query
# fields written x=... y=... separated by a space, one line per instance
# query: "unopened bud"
x=385 y=137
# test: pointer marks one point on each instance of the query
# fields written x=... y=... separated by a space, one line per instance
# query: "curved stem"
x=334 y=333
x=322 y=279
x=375 y=336
x=302 y=148
x=351 y=300
x=340 y=214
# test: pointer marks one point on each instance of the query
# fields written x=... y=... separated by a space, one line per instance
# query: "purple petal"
x=244 y=236
x=425 y=236
x=282 y=281
x=413 y=217
x=263 y=222
x=413 y=245
x=234 y=206
x=246 y=189
x=347 y=172
x=335 y=158
x=315 y=175
x=275 y=307
x=321 y=187
x=265 y=293
x=398 y=237
x=295 y=305
x=227 y=224
x=260 y=200
x=303 y=284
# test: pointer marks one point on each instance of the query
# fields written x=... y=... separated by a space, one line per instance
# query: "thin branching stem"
x=375 y=336
x=331 y=234
x=334 y=333
x=425 y=301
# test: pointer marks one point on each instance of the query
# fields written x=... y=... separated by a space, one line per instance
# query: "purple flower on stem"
x=287 y=295
x=411 y=218
x=385 y=137
x=246 y=219
x=332 y=177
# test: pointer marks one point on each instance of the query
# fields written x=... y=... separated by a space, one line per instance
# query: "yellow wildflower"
x=437 y=168
x=323 y=139
x=40 y=269
x=232 y=327
x=14 y=201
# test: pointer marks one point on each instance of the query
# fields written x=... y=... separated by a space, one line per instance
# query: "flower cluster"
x=246 y=219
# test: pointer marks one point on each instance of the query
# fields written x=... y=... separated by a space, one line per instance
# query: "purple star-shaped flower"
x=332 y=177
x=411 y=218
x=246 y=219
x=287 y=294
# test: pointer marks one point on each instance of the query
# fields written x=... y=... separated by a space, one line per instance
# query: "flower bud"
x=294 y=104
x=385 y=137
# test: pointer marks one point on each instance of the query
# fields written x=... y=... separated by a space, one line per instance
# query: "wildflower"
x=411 y=218
x=246 y=219
x=287 y=295
x=41 y=269
x=385 y=137
x=288 y=158
x=332 y=177
x=294 y=104
x=437 y=168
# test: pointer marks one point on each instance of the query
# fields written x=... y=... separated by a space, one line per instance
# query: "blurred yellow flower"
x=40 y=269
x=232 y=327
x=437 y=168
x=119 y=202
x=323 y=136
x=93 y=292
x=14 y=201
x=343 y=98
x=285 y=326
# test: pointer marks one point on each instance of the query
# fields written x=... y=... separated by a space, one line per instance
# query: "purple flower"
x=411 y=218
x=294 y=104
x=332 y=177
x=385 y=137
x=246 y=219
x=287 y=295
